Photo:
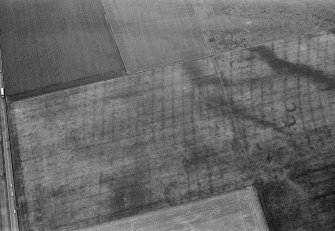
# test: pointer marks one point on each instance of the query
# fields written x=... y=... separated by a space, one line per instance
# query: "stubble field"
x=89 y=155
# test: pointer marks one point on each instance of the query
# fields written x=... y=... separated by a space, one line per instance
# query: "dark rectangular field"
x=154 y=33
x=89 y=155
x=53 y=44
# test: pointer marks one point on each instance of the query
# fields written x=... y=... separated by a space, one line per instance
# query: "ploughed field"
x=92 y=154
x=49 y=45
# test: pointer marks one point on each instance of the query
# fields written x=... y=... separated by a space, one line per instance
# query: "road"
x=7 y=159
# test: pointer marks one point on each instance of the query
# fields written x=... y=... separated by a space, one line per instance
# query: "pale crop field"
x=233 y=211
x=155 y=33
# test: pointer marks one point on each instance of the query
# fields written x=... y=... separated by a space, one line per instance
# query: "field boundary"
x=113 y=35
x=91 y=80
x=258 y=187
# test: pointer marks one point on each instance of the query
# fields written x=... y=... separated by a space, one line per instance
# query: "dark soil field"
x=155 y=33
x=49 y=45
x=264 y=116
x=231 y=24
